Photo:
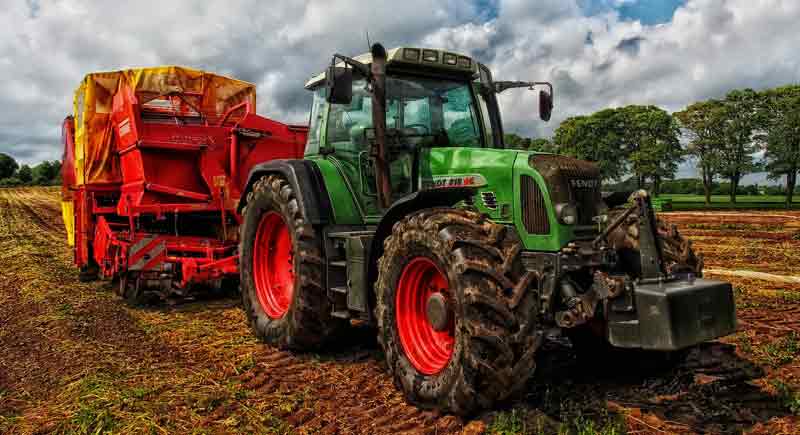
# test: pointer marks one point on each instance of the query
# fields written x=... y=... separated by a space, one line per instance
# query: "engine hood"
x=491 y=171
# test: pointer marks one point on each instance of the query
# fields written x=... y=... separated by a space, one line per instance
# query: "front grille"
x=489 y=200
x=534 y=210
x=571 y=180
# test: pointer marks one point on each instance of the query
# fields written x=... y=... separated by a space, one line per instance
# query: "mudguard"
x=307 y=182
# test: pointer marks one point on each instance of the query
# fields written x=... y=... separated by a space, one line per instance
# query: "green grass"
x=507 y=423
x=787 y=396
x=520 y=422
x=697 y=202
x=774 y=353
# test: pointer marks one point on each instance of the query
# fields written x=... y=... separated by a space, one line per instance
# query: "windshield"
x=438 y=111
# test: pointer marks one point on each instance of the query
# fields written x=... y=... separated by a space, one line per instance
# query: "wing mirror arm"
x=545 y=97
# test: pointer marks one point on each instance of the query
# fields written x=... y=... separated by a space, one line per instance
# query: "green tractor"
x=409 y=213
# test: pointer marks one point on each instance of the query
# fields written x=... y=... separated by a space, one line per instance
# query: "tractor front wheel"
x=457 y=312
x=282 y=270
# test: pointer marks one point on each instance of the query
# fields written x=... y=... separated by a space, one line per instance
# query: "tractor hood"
x=522 y=188
x=489 y=170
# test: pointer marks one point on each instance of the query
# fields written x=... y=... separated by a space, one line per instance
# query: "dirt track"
x=74 y=359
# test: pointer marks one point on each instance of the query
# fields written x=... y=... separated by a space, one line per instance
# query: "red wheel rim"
x=273 y=271
x=427 y=349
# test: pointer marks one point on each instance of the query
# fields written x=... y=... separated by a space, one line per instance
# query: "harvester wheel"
x=89 y=273
x=131 y=291
x=281 y=270
x=457 y=312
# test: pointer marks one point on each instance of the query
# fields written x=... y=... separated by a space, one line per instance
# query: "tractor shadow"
x=707 y=389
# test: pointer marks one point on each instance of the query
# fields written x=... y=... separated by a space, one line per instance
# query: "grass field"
x=695 y=202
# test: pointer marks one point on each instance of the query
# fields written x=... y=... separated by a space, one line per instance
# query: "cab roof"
x=426 y=57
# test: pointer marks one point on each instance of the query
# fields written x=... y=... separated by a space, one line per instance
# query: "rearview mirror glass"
x=545 y=105
x=339 y=81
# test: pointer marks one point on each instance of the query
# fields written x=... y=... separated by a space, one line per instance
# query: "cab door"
x=346 y=146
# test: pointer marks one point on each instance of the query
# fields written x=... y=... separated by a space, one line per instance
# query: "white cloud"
x=709 y=47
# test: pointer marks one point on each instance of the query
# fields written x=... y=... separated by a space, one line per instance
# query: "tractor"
x=409 y=213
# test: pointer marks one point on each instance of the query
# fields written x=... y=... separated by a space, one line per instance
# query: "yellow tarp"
x=67 y=212
x=95 y=159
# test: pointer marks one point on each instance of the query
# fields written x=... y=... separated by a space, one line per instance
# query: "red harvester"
x=155 y=160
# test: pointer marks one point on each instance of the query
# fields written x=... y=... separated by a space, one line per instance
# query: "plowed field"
x=74 y=359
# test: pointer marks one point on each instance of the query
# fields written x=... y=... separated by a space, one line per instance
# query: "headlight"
x=567 y=213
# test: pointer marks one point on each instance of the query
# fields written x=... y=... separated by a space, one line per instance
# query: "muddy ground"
x=74 y=359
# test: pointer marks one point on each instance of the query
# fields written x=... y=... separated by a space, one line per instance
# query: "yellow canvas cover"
x=95 y=160
x=68 y=214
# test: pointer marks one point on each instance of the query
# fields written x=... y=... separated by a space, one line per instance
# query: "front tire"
x=483 y=350
x=281 y=270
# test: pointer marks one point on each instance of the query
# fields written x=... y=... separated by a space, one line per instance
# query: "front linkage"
x=646 y=289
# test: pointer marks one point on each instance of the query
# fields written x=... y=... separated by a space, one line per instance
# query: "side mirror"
x=339 y=81
x=545 y=105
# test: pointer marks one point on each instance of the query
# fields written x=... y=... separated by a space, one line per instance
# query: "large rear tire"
x=483 y=349
x=281 y=270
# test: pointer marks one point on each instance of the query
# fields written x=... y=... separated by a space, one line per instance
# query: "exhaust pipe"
x=382 y=174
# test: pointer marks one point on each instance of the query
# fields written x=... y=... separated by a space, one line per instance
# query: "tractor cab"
x=439 y=127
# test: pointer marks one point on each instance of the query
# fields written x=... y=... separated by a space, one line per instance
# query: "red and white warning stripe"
x=146 y=254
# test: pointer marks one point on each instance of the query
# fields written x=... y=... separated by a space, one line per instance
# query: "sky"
x=598 y=53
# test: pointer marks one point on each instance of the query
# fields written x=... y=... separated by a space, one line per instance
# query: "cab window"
x=315 y=120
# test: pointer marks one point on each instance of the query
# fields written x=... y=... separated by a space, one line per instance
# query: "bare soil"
x=75 y=359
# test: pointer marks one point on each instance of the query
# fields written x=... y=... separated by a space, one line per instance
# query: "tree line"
x=46 y=173
x=722 y=135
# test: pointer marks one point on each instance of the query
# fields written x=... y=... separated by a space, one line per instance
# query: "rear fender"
x=307 y=182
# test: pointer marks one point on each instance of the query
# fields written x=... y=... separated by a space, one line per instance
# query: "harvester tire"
x=131 y=291
x=286 y=304
x=89 y=273
x=483 y=351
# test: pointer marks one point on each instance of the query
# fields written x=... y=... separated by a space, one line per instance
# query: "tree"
x=780 y=112
x=47 y=172
x=651 y=139
x=542 y=145
x=598 y=138
x=641 y=139
x=740 y=123
x=8 y=166
x=702 y=123
x=25 y=174
x=516 y=141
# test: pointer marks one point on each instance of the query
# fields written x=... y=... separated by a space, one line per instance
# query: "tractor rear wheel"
x=457 y=312
x=281 y=270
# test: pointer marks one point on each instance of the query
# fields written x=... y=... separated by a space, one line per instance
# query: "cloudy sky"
x=598 y=53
